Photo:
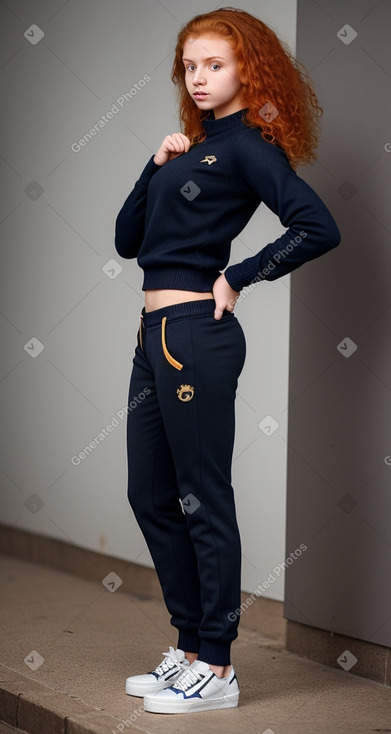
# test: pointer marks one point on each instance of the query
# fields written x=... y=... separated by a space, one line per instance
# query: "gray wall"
x=339 y=465
x=57 y=215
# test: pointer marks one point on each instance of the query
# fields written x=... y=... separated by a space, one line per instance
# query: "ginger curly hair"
x=269 y=74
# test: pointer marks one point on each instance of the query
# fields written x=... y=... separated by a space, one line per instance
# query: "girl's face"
x=211 y=68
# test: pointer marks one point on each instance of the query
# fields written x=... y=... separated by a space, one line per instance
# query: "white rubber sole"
x=151 y=705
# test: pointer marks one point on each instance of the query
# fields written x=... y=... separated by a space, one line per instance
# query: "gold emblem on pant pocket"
x=185 y=393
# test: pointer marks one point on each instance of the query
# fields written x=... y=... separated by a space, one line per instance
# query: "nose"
x=198 y=78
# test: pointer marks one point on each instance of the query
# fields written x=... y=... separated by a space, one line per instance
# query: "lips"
x=200 y=94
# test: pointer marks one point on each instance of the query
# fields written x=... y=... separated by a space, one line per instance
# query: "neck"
x=211 y=124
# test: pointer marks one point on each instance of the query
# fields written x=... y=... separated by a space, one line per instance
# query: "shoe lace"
x=171 y=659
x=187 y=679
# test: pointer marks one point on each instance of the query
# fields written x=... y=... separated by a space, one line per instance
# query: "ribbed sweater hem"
x=184 y=279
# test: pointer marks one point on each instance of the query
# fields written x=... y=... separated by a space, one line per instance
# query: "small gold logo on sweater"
x=185 y=393
x=209 y=159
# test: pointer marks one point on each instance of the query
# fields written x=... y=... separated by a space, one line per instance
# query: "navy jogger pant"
x=180 y=440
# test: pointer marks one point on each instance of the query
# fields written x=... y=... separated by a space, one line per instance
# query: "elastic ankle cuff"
x=215 y=653
x=188 y=641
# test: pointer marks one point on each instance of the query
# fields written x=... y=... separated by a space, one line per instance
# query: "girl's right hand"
x=171 y=147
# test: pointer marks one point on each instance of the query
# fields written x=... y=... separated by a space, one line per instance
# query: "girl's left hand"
x=225 y=297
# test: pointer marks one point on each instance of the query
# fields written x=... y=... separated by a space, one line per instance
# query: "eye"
x=187 y=67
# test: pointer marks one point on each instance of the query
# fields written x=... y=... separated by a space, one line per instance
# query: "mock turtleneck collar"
x=211 y=125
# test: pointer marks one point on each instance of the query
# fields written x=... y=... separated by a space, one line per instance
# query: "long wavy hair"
x=273 y=82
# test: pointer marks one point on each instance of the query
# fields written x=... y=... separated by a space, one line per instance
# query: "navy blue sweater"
x=180 y=218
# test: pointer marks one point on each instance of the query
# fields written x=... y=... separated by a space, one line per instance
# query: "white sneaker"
x=196 y=689
x=165 y=674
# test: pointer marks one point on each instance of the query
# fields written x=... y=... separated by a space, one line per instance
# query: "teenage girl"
x=249 y=115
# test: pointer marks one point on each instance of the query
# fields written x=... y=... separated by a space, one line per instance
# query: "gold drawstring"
x=167 y=354
x=140 y=332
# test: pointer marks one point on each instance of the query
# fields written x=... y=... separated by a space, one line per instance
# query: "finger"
x=174 y=147
x=186 y=142
x=183 y=140
x=178 y=137
x=218 y=312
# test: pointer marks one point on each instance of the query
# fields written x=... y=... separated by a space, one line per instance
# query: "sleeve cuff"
x=242 y=274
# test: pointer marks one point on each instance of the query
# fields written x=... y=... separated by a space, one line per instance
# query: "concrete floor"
x=7 y=729
x=91 y=639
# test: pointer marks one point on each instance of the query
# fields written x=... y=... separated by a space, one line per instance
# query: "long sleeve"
x=312 y=231
x=129 y=225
